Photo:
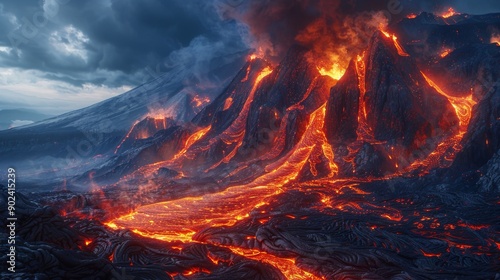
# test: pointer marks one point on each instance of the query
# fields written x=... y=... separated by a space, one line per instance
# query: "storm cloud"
x=67 y=40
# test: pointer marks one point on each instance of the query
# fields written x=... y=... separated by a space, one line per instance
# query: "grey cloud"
x=124 y=37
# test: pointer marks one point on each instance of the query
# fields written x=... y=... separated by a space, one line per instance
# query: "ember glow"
x=200 y=101
x=495 y=39
x=449 y=13
x=445 y=52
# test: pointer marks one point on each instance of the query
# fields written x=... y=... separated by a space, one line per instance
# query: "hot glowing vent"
x=449 y=13
x=495 y=39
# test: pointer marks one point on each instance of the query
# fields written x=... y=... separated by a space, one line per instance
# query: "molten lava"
x=126 y=136
x=285 y=265
x=363 y=131
x=400 y=49
x=190 y=141
x=495 y=39
x=234 y=134
x=449 y=13
x=146 y=127
x=335 y=71
x=463 y=105
x=445 y=52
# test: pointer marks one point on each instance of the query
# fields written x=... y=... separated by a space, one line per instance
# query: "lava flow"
x=401 y=52
x=179 y=220
x=448 y=149
x=335 y=72
x=449 y=13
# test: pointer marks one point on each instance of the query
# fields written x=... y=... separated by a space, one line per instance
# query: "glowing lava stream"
x=236 y=131
x=400 y=49
x=285 y=265
x=463 y=108
x=126 y=136
x=180 y=219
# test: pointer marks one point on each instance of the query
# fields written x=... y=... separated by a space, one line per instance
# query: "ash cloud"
x=342 y=27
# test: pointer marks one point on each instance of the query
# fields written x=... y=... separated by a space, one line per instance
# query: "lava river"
x=181 y=219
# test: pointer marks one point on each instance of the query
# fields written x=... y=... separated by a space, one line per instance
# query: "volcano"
x=390 y=172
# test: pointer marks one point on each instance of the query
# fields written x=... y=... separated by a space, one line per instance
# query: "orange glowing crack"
x=363 y=131
x=247 y=74
x=228 y=103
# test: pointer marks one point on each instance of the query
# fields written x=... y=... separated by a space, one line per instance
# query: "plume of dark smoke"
x=340 y=28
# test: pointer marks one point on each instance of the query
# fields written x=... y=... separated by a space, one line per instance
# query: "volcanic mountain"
x=383 y=112
x=68 y=145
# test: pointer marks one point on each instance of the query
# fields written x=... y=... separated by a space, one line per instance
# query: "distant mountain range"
x=17 y=117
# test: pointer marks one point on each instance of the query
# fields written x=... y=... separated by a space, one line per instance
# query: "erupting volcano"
x=372 y=162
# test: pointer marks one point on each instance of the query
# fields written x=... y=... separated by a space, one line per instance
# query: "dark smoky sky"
x=59 y=55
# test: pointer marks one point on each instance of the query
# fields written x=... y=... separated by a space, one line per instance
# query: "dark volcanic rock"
x=166 y=173
x=226 y=107
x=294 y=85
x=144 y=129
x=341 y=120
x=490 y=181
x=372 y=160
x=427 y=35
x=162 y=146
x=473 y=67
x=402 y=107
x=482 y=139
